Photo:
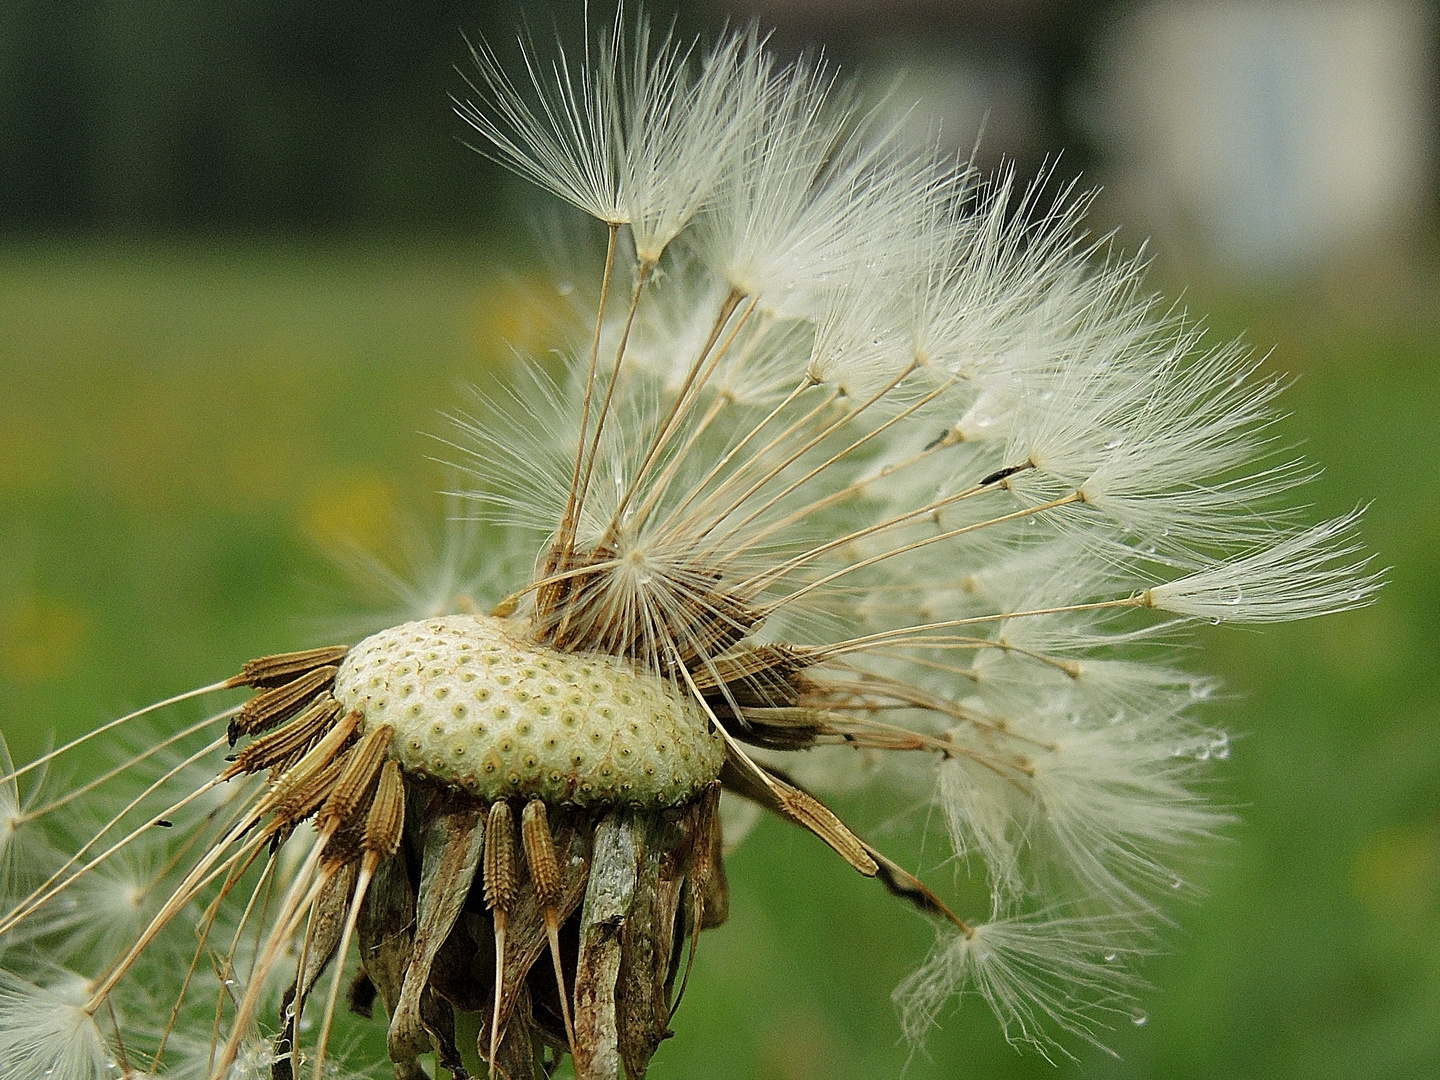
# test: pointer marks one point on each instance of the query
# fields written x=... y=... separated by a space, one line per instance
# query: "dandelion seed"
x=856 y=453
x=46 y=1035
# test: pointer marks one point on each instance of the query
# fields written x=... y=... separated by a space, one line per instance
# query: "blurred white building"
x=1270 y=135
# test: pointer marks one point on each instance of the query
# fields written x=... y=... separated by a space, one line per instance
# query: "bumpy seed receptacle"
x=476 y=706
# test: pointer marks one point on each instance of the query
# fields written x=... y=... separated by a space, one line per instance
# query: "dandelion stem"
x=40 y=895
x=641 y=279
x=113 y=724
x=730 y=455
x=91 y=785
x=816 y=471
x=566 y=537
x=1029 y=511
x=693 y=379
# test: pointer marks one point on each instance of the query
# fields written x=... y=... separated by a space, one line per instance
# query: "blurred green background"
x=223 y=340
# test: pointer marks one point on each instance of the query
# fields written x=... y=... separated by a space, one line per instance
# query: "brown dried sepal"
x=348 y=798
x=501 y=872
x=646 y=944
x=539 y=848
x=386 y=928
x=265 y=672
x=385 y=823
x=282 y=747
x=273 y=706
x=707 y=862
x=784 y=798
x=621 y=954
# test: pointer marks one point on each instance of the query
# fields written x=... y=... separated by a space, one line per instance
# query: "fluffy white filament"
x=46 y=1035
x=1037 y=974
x=921 y=414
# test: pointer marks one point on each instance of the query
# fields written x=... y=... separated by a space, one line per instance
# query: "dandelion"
x=862 y=468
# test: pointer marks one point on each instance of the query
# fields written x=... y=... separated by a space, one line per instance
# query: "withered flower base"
x=415 y=750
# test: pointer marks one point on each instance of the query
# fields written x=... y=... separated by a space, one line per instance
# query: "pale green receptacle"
x=474 y=705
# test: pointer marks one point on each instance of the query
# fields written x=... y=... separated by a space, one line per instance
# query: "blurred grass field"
x=183 y=429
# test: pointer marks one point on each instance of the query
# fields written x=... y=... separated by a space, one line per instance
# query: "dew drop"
x=1220 y=746
x=1177 y=883
x=1202 y=753
x=1140 y=1019
x=1216 y=621
x=1111 y=957
x=565 y=288
x=1114 y=444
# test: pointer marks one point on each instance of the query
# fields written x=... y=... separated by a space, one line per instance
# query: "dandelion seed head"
x=45 y=1034
x=860 y=470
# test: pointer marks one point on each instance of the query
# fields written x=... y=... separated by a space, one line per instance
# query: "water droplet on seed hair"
x=1140 y=1019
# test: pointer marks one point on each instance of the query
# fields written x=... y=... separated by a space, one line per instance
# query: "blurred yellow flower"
x=39 y=638
x=358 y=510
